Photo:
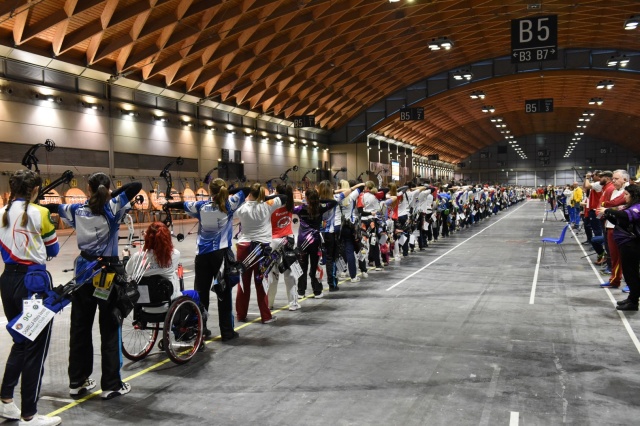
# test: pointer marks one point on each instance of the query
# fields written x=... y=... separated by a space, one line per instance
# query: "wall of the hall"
x=494 y=165
x=357 y=159
x=89 y=141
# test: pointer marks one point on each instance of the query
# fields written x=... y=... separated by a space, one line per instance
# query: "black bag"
x=232 y=268
x=126 y=296
x=160 y=288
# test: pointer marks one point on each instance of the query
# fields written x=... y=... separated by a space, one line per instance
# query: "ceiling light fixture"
x=605 y=84
x=488 y=108
x=477 y=94
x=129 y=112
x=621 y=61
x=463 y=75
x=440 y=43
x=632 y=23
x=596 y=101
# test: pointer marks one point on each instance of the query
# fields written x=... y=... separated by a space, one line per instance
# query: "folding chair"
x=556 y=241
x=546 y=212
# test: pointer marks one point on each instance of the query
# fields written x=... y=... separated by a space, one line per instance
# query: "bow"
x=359 y=178
x=305 y=180
x=207 y=178
x=241 y=179
x=335 y=175
x=30 y=160
x=284 y=177
x=166 y=175
x=127 y=220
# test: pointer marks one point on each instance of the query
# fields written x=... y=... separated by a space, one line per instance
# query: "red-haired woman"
x=162 y=257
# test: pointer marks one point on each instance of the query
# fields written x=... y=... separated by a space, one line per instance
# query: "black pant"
x=630 y=260
x=83 y=312
x=445 y=225
x=425 y=234
x=330 y=256
x=435 y=226
x=374 y=238
x=26 y=359
x=207 y=265
x=309 y=257
x=596 y=229
x=402 y=220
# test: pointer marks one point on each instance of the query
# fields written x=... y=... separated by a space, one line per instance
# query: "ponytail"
x=22 y=183
x=288 y=191
x=313 y=202
x=99 y=184
x=220 y=193
x=325 y=190
x=257 y=192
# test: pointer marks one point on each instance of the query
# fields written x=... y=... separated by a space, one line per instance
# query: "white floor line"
x=452 y=249
x=514 y=420
x=623 y=318
x=535 y=278
x=541 y=230
x=56 y=399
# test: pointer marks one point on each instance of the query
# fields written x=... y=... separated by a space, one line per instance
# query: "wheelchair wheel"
x=182 y=332
x=138 y=337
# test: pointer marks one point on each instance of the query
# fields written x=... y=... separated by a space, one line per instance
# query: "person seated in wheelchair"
x=160 y=260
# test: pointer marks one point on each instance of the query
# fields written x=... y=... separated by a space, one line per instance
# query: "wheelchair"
x=180 y=321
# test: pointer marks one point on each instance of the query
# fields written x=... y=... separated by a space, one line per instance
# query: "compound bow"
x=30 y=160
x=359 y=178
x=166 y=175
x=285 y=176
x=305 y=180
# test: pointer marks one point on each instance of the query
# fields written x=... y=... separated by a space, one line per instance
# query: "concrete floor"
x=446 y=337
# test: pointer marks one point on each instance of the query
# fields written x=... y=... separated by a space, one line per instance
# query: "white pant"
x=290 y=282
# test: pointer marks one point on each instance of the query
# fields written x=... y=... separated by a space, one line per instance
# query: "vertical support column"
x=110 y=136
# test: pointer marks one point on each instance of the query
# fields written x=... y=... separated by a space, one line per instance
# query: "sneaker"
x=300 y=295
x=110 y=394
x=625 y=289
x=342 y=275
x=365 y=275
x=623 y=302
x=378 y=269
x=86 y=387
x=631 y=306
x=41 y=421
x=318 y=296
x=270 y=320
x=206 y=333
x=332 y=289
x=355 y=279
x=9 y=410
x=235 y=335
x=294 y=306
x=608 y=285
x=606 y=271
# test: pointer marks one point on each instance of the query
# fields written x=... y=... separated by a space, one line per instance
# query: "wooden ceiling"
x=335 y=58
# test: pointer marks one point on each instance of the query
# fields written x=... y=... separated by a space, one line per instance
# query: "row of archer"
x=147 y=206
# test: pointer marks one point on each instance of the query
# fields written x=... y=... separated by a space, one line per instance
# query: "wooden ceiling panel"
x=334 y=59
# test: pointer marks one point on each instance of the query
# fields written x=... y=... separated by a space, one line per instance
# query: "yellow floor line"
x=163 y=362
